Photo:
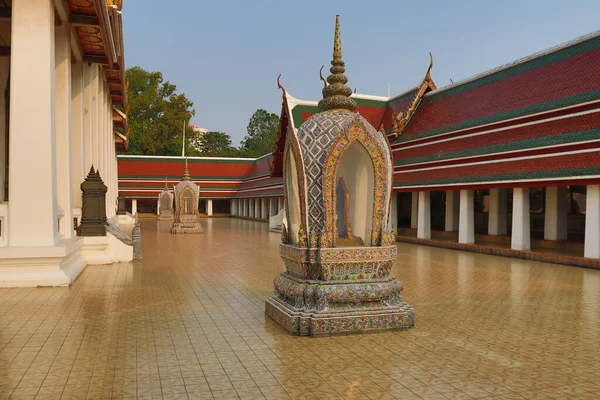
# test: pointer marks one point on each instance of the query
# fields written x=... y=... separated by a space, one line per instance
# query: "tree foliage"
x=214 y=144
x=157 y=114
x=262 y=132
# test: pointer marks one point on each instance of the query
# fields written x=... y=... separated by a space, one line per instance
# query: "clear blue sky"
x=226 y=55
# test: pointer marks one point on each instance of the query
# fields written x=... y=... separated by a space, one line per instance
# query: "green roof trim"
x=182 y=160
x=565 y=138
x=537 y=62
x=178 y=177
x=406 y=96
x=537 y=175
x=519 y=112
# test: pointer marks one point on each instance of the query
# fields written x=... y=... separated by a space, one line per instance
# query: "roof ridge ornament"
x=400 y=120
x=284 y=94
x=336 y=95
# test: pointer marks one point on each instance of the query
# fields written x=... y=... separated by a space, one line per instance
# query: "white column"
x=32 y=211
x=4 y=70
x=264 y=208
x=250 y=208
x=272 y=211
x=279 y=204
x=209 y=207
x=63 y=127
x=257 y=208
x=466 y=227
x=78 y=166
x=424 y=215
x=232 y=207
x=414 y=210
x=592 y=222
x=134 y=206
x=88 y=110
x=520 y=220
x=95 y=117
x=555 y=213
x=452 y=210
x=393 y=221
x=497 y=212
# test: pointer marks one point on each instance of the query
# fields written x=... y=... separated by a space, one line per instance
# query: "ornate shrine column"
x=424 y=216
x=521 y=239
x=466 y=227
x=555 y=213
x=32 y=214
x=452 y=210
x=592 y=222
x=414 y=210
x=497 y=212
x=134 y=206
x=62 y=110
x=209 y=207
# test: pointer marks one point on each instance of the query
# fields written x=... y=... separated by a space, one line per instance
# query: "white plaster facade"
x=60 y=123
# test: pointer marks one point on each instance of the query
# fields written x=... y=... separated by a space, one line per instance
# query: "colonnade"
x=61 y=123
x=460 y=216
x=259 y=208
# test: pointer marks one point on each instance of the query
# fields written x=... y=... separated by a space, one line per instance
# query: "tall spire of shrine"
x=336 y=95
x=186 y=172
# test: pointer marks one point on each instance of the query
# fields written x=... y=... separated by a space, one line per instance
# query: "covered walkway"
x=189 y=321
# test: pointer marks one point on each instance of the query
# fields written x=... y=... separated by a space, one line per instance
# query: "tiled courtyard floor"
x=189 y=322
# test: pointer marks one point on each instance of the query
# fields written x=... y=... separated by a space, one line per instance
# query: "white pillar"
x=592 y=222
x=264 y=208
x=497 y=212
x=209 y=207
x=4 y=71
x=88 y=110
x=452 y=210
x=279 y=204
x=466 y=227
x=78 y=166
x=520 y=220
x=555 y=213
x=414 y=210
x=232 y=207
x=393 y=221
x=424 y=215
x=134 y=206
x=95 y=117
x=32 y=211
x=63 y=127
x=257 y=208
x=272 y=210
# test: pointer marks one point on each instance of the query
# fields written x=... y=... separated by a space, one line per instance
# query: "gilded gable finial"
x=336 y=95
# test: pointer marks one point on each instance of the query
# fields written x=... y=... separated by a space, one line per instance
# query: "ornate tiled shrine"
x=336 y=245
x=165 y=204
x=187 y=197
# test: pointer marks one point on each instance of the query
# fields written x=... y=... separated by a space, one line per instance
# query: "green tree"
x=262 y=132
x=157 y=114
x=214 y=144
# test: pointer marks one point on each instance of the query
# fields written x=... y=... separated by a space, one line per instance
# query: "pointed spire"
x=166 y=184
x=336 y=95
x=186 y=172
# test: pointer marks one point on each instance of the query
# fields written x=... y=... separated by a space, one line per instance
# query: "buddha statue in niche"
x=345 y=237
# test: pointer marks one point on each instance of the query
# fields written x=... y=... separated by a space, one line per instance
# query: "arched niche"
x=166 y=202
x=354 y=193
x=187 y=201
x=292 y=192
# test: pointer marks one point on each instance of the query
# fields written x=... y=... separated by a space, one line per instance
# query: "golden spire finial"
x=336 y=95
x=186 y=172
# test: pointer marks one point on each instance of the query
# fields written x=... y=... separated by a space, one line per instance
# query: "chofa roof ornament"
x=336 y=95
x=400 y=120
